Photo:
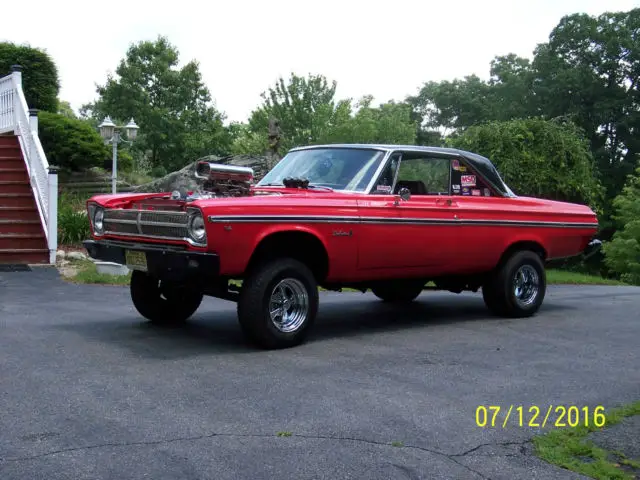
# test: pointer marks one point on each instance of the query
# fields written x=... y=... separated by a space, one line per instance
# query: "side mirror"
x=405 y=193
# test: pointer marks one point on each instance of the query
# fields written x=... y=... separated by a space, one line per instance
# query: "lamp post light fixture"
x=110 y=132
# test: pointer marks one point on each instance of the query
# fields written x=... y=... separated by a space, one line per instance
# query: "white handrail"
x=15 y=117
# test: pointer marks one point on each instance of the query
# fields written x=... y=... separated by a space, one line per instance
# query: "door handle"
x=447 y=203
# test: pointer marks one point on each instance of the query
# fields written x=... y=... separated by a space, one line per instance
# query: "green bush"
x=622 y=253
x=39 y=74
x=70 y=143
x=73 y=222
x=539 y=158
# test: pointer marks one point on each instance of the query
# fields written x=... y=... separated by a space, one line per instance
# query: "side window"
x=424 y=175
x=467 y=183
x=385 y=182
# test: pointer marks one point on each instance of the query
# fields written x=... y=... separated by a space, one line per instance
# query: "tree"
x=70 y=143
x=309 y=114
x=178 y=121
x=39 y=74
x=622 y=253
x=64 y=108
x=455 y=104
x=305 y=107
x=452 y=106
x=537 y=157
x=388 y=123
x=590 y=69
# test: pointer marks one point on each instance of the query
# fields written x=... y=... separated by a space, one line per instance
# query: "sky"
x=384 y=48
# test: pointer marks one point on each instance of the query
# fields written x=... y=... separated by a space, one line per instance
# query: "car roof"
x=481 y=164
x=386 y=147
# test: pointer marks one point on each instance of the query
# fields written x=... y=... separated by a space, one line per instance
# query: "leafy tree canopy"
x=537 y=157
x=39 y=74
x=309 y=114
x=590 y=69
x=178 y=121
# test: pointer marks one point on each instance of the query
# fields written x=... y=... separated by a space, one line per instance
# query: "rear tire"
x=163 y=303
x=517 y=288
x=398 y=291
x=278 y=304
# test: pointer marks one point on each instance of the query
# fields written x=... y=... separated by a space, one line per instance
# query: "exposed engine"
x=218 y=180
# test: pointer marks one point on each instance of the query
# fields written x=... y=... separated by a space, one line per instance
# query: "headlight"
x=96 y=217
x=197 y=229
x=98 y=220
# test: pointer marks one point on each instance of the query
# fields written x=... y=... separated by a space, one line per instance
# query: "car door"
x=430 y=212
x=381 y=236
x=416 y=235
x=480 y=210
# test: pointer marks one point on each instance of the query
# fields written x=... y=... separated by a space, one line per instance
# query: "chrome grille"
x=170 y=225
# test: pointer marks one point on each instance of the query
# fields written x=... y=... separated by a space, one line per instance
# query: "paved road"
x=89 y=390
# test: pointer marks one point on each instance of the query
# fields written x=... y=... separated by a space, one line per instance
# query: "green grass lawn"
x=560 y=277
x=569 y=448
x=86 y=272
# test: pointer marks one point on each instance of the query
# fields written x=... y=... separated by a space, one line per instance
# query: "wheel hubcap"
x=526 y=285
x=288 y=305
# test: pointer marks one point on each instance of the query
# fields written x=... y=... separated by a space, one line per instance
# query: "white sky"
x=384 y=48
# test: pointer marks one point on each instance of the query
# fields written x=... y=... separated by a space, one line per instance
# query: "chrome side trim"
x=391 y=221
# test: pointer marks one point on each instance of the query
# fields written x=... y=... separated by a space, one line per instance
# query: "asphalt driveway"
x=90 y=390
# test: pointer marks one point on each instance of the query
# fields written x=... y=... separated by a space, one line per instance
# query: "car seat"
x=416 y=187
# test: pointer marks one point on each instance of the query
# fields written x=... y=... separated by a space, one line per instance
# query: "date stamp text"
x=495 y=416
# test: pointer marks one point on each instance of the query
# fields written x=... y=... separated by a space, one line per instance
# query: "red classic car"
x=382 y=217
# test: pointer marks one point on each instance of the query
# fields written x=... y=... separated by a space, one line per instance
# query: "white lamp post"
x=109 y=131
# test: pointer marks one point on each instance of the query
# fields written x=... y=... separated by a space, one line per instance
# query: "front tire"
x=163 y=303
x=278 y=304
x=518 y=287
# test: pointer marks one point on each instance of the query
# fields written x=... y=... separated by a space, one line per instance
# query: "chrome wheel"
x=526 y=285
x=288 y=305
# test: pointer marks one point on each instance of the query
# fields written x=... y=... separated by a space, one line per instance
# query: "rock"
x=60 y=254
x=181 y=179
x=185 y=179
x=76 y=256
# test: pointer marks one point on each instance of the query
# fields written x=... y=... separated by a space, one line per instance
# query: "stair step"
x=16 y=162
x=8 y=140
x=9 y=150
x=24 y=255
x=22 y=241
x=9 y=174
x=17 y=200
x=19 y=213
x=20 y=226
x=15 y=186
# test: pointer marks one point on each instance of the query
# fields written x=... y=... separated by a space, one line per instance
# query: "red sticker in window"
x=475 y=192
x=468 y=180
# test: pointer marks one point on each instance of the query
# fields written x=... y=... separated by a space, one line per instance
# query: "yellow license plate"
x=136 y=260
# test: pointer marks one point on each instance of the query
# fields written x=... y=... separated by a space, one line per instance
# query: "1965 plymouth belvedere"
x=381 y=217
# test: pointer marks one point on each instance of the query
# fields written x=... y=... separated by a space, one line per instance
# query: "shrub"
x=70 y=143
x=39 y=74
x=73 y=222
x=540 y=158
x=622 y=253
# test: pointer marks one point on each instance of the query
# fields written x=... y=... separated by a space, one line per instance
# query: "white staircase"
x=16 y=120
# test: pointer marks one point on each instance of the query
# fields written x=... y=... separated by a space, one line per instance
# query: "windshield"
x=337 y=168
